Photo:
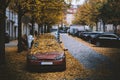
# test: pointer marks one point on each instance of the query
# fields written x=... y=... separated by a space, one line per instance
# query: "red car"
x=49 y=56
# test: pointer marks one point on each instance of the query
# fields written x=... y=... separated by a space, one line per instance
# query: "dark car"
x=48 y=54
x=78 y=34
x=92 y=35
x=63 y=31
x=7 y=38
x=84 y=35
x=107 y=39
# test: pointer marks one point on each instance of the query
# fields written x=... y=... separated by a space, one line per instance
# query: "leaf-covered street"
x=15 y=67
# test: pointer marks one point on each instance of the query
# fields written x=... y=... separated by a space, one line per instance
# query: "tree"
x=88 y=13
x=82 y=17
x=110 y=12
x=34 y=8
x=50 y=12
x=21 y=7
x=3 y=6
x=96 y=5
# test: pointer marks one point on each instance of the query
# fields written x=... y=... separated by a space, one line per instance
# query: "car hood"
x=48 y=55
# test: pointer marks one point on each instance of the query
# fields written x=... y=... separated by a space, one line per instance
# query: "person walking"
x=30 y=40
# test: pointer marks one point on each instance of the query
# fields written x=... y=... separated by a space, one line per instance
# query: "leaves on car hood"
x=45 y=44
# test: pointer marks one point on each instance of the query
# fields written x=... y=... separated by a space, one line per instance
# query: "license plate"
x=46 y=63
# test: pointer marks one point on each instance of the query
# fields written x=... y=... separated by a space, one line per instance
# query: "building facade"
x=107 y=27
x=70 y=14
x=12 y=24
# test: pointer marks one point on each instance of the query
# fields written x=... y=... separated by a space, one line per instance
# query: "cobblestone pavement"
x=90 y=59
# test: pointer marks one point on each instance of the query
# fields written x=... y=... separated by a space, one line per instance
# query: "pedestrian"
x=30 y=40
x=24 y=42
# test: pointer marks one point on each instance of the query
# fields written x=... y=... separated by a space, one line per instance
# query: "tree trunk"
x=19 y=32
x=115 y=28
x=104 y=28
x=96 y=26
x=39 y=28
x=2 y=31
x=48 y=28
x=45 y=28
x=32 y=22
x=42 y=29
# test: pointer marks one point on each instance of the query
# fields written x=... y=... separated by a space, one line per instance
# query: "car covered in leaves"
x=47 y=53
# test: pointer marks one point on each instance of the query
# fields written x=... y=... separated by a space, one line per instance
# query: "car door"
x=112 y=40
x=115 y=40
x=103 y=39
x=109 y=39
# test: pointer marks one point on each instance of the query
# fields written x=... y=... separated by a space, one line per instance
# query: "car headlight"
x=31 y=57
x=59 y=57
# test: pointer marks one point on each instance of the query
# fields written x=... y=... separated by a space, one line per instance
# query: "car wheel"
x=63 y=67
x=89 y=41
x=98 y=44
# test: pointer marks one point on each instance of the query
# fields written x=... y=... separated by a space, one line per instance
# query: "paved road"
x=90 y=59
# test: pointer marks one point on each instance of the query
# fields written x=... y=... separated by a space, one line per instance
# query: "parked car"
x=78 y=34
x=73 y=31
x=46 y=55
x=68 y=31
x=63 y=31
x=84 y=35
x=7 y=38
x=92 y=35
x=107 y=39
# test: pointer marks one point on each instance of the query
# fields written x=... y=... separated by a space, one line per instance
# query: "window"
x=108 y=36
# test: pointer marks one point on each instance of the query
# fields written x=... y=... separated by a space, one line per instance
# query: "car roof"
x=93 y=32
x=111 y=34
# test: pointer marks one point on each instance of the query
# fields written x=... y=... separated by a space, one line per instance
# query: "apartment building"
x=12 y=24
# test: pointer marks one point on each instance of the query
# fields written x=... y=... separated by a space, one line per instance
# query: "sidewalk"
x=12 y=44
x=3 y=68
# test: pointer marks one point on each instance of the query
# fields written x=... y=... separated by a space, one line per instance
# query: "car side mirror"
x=60 y=42
x=65 y=49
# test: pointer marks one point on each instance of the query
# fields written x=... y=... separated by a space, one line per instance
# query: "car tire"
x=63 y=67
x=98 y=44
x=89 y=41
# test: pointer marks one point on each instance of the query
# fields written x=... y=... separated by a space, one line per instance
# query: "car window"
x=112 y=36
x=109 y=36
